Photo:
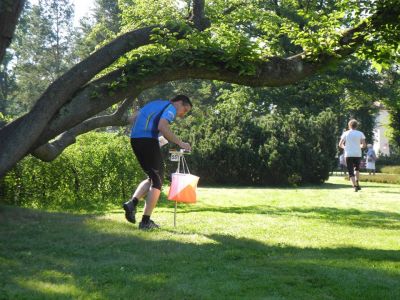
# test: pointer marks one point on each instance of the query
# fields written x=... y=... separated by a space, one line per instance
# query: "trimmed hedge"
x=391 y=169
x=381 y=178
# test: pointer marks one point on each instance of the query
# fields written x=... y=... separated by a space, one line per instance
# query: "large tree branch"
x=274 y=72
x=52 y=150
x=18 y=136
x=10 y=11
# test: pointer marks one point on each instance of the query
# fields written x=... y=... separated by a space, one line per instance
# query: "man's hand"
x=185 y=146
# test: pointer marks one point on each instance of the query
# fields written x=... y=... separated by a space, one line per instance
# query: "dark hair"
x=183 y=98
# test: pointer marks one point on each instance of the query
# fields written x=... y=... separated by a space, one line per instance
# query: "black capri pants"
x=353 y=163
x=148 y=153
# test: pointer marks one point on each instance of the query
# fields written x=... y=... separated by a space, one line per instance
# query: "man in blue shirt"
x=151 y=120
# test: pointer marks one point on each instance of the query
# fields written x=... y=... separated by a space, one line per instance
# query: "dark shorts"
x=353 y=164
x=148 y=153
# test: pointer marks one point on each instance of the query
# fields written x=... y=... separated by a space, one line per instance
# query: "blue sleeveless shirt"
x=146 y=124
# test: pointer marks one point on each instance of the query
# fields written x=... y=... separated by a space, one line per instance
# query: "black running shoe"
x=149 y=225
x=358 y=187
x=130 y=211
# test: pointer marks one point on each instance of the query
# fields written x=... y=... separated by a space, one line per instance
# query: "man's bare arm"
x=341 y=143
x=163 y=127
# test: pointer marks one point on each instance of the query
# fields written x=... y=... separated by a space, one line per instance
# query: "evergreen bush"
x=232 y=146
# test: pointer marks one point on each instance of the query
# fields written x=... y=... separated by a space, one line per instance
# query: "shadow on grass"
x=53 y=255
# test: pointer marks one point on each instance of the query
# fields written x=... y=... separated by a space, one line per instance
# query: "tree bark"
x=274 y=72
x=10 y=11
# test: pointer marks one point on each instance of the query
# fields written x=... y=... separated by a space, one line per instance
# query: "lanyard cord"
x=185 y=168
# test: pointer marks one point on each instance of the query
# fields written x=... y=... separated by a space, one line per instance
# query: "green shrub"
x=98 y=171
x=391 y=169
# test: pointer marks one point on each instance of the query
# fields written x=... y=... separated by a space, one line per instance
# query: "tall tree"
x=100 y=27
x=7 y=84
x=211 y=44
x=41 y=50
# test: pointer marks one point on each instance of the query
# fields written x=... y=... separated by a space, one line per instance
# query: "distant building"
x=381 y=142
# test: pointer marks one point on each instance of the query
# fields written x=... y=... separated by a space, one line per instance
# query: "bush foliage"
x=97 y=171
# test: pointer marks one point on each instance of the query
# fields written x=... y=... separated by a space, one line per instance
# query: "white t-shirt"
x=352 y=142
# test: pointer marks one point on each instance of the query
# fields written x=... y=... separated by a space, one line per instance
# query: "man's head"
x=182 y=105
x=353 y=124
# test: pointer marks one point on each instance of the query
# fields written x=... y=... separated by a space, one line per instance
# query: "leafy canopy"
x=244 y=30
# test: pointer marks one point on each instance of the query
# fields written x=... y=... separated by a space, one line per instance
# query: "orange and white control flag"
x=183 y=188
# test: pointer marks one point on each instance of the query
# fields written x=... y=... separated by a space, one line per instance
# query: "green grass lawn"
x=315 y=242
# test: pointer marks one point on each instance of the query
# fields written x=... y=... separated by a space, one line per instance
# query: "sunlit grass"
x=381 y=178
x=314 y=242
x=49 y=288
